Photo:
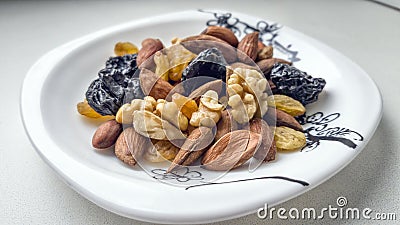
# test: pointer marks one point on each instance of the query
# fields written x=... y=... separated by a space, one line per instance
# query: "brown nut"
x=194 y=146
x=249 y=46
x=222 y=33
x=265 y=53
x=130 y=146
x=225 y=125
x=198 y=43
x=281 y=118
x=149 y=47
x=267 y=148
x=106 y=134
x=231 y=151
x=155 y=86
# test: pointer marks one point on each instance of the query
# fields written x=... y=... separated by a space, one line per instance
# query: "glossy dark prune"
x=295 y=83
x=209 y=63
x=133 y=90
x=117 y=84
x=101 y=99
x=120 y=68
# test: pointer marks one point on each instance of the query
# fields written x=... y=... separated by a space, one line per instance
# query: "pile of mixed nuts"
x=208 y=98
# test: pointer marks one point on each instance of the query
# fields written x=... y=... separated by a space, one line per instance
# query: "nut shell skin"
x=106 y=134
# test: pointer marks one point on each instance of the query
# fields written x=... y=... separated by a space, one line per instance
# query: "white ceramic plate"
x=338 y=122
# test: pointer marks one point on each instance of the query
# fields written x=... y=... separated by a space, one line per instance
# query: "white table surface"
x=366 y=32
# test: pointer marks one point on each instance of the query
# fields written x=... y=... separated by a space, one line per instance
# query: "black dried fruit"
x=117 y=84
x=120 y=68
x=295 y=83
x=100 y=98
x=209 y=63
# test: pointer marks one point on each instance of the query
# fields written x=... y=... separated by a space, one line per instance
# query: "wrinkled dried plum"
x=117 y=84
x=120 y=68
x=100 y=98
x=209 y=63
x=295 y=83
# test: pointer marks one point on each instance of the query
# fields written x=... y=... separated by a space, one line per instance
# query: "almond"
x=281 y=118
x=231 y=151
x=199 y=43
x=194 y=146
x=225 y=125
x=149 y=47
x=106 y=134
x=154 y=86
x=267 y=149
x=222 y=33
x=130 y=146
x=249 y=46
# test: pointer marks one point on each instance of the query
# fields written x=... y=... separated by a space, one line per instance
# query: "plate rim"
x=140 y=214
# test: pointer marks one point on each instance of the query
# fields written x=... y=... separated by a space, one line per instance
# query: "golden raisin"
x=85 y=109
x=186 y=105
x=287 y=139
x=286 y=104
x=124 y=48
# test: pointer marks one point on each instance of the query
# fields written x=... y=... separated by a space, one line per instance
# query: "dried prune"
x=209 y=63
x=120 y=68
x=117 y=84
x=295 y=83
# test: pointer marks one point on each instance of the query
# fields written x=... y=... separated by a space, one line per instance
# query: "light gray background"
x=366 y=32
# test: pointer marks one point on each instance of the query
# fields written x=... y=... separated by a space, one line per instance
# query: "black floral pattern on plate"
x=268 y=31
x=321 y=131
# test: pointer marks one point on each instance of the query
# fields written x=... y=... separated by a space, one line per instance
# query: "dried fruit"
x=106 y=134
x=115 y=86
x=231 y=151
x=266 y=65
x=297 y=84
x=286 y=104
x=125 y=48
x=85 y=109
x=209 y=63
x=149 y=47
x=186 y=105
x=249 y=46
x=222 y=33
x=288 y=139
x=194 y=146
